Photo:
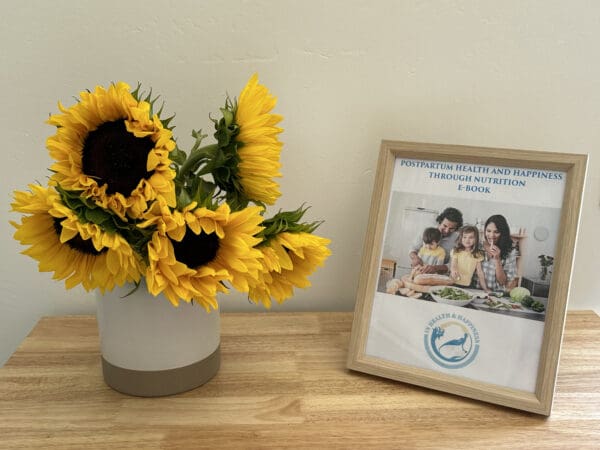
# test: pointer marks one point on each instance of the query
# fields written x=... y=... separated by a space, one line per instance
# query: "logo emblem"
x=451 y=340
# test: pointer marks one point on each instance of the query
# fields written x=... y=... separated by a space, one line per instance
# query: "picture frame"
x=497 y=348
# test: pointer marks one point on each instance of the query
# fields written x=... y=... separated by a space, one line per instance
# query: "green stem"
x=194 y=158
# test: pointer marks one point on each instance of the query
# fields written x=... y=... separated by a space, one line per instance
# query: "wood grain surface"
x=282 y=383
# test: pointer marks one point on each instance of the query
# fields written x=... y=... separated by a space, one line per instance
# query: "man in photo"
x=448 y=222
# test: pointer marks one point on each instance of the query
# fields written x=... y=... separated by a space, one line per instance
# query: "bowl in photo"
x=451 y=295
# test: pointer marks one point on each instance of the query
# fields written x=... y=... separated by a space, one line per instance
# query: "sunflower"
x=246 y=158
x=260 y=150
x=194 y=251
x=111 y=148
x=79 y=253
x=288 y=259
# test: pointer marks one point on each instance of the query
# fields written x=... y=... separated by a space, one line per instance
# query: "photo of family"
x=467 y=253
x=471 y=248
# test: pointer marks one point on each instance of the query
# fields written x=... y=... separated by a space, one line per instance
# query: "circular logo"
x=451 y=341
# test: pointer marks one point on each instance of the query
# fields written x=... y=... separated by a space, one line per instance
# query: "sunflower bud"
x=287 y=221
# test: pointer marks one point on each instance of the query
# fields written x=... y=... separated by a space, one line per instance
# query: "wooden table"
x=282 y=383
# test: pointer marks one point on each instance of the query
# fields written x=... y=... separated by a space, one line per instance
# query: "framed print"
x=466 y=270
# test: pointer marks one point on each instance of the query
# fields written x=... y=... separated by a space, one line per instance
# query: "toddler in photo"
x=431 y=253
x=466 y=258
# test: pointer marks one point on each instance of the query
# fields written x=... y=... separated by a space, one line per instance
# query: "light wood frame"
x=574 y=165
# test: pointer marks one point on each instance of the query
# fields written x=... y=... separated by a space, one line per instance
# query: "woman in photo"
x=500 y=260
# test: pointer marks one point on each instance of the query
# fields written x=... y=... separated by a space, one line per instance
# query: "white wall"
x=520 y=74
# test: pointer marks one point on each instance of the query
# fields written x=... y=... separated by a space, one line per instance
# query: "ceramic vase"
x=151 y=348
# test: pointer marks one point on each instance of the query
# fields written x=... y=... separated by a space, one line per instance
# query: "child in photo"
x=466 y=258
x=431 y=253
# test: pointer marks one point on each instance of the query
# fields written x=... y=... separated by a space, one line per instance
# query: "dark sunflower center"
x=78 y=243
x=195 y=250
x=115 y=157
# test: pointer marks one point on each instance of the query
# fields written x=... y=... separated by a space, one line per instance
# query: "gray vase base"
x=159 y=383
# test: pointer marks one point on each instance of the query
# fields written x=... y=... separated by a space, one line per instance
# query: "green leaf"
x=178 y=156
x=110 y=227
x=167 y=122
x=203 y=192
x=227 y=116
x=71 y=203
x=197 y=134
x=148 y=97
x=97 y=216
x=183 y=199
x=136 y=92
x=287 y=221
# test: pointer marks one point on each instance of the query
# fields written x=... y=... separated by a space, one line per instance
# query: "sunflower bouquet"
x=124 y=202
